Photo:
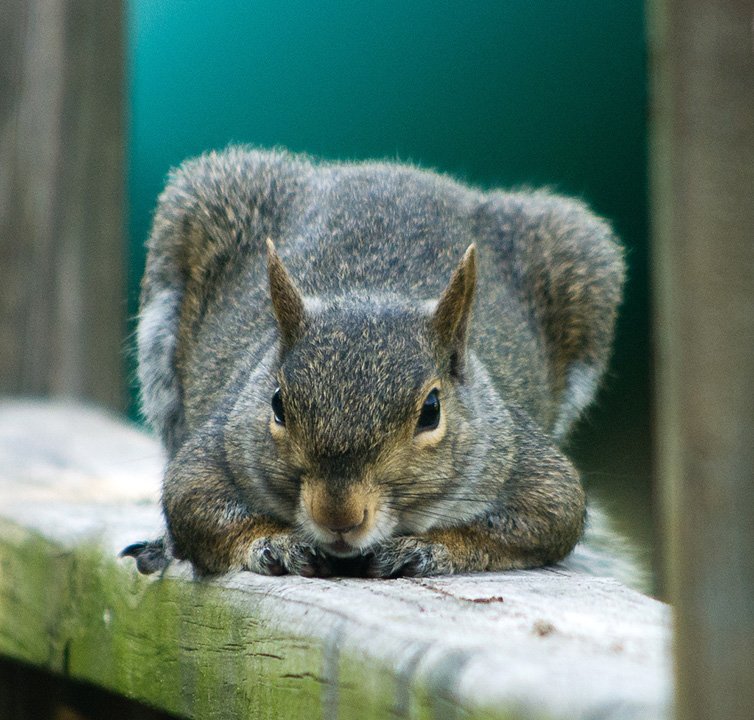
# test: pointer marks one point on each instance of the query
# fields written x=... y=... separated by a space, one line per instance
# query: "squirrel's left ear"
x=451 y=317
x=286 y=299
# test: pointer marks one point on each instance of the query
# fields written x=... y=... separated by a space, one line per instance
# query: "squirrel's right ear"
x=286 y=299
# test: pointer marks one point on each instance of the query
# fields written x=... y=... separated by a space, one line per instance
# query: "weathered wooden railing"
x=76 y=486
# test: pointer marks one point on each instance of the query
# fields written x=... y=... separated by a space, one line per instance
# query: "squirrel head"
x=364 y=414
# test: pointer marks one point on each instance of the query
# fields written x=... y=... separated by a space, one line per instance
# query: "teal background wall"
x=496 y=92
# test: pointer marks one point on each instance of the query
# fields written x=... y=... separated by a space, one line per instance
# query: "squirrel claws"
x=410 y=557
x=401 y=557
x=269 y=561
x=281 y=554
x=150 y=557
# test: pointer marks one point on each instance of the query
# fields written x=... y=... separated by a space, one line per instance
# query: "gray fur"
x=352 y=311
x=157 y=337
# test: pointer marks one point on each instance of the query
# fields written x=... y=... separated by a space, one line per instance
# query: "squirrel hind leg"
x=151 y=557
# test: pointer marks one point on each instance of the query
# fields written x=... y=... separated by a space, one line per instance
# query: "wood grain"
x=62 y=301
x=76 y=486
x=702 y=162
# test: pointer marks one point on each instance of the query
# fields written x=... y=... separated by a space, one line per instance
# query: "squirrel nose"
x=344 y=524
x=340 y=511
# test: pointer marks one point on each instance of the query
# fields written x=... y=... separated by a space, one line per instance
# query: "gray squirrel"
x=368 y=368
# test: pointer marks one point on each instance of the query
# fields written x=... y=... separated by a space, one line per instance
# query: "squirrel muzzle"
x=341 y=520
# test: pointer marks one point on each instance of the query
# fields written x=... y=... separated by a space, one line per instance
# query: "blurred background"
x=100 y=98
x=523 y=92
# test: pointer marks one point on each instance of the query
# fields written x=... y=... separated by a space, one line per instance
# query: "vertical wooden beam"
x=61 y=198
x=702 y=165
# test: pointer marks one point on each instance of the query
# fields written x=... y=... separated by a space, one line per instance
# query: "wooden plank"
x=77 y=486
x=702 y=162
x=62 y=309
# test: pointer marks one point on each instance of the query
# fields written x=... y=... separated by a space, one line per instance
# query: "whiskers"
x=428 y=507
x=407 y=504
x=274 y=484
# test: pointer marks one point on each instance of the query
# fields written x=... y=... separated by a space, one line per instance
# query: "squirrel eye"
x=429 y=417
x=277 y=407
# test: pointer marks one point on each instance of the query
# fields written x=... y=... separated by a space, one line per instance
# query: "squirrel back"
x=367 y=352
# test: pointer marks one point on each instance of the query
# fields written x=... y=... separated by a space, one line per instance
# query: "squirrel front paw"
x=409 y=557
x=281 y=554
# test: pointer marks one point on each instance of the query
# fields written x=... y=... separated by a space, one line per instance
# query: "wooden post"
x=61 y=198
x=702 y=161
